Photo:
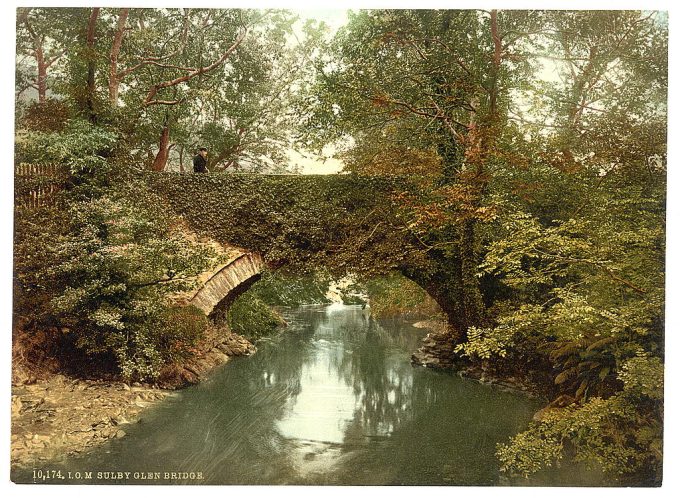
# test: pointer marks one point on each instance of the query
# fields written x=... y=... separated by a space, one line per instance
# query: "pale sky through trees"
x=309 y=162
x=312 y=163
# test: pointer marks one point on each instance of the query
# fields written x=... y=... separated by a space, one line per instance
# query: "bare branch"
x=169 y=83
x=55 y=58
x=169 y=66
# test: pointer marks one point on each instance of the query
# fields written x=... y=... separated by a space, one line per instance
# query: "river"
x=331 y=400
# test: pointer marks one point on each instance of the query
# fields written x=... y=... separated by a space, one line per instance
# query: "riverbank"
x=61 y=416
x=333 y=400
x=56 y=416
x=437 y=351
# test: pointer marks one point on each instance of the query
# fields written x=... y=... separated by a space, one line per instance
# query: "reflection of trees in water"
x=447 y=435
x=381 y=380
x=231 y=438
x=282 y=358
x=280 y=366
x=441 y=429
x=303 y=321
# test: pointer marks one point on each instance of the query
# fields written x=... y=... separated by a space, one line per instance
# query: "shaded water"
x=332 y=400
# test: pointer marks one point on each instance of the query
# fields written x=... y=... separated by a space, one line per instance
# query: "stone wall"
x=227 y=280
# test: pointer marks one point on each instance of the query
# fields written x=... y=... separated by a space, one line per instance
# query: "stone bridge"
x=235 y=270
x=298 y=221
x=342 y=223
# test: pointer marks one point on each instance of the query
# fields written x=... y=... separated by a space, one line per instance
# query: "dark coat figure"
x=200 y=164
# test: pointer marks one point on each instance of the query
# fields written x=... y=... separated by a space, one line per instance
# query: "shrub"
x=396 y=295
x=49 y=116
x=79 y=145
x=621 y=434
x=252 y=318
x=104 y=277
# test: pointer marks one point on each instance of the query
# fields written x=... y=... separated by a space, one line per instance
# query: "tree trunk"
x=496 y=66
x=161 y=159
x=41 y=83
x=91 y=88
x=114 y=79
x=39 y=53
x=473 y=305
x=442 y=283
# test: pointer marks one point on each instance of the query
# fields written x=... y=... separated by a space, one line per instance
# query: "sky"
x=333 y=17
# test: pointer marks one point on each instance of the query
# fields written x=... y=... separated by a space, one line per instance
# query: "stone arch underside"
x=228 y=282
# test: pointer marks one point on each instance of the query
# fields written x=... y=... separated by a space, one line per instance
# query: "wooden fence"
x=35 y=185
x=26 y=169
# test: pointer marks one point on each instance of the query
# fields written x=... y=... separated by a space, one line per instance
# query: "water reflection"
x=332 y=400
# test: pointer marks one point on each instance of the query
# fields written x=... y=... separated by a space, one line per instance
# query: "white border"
x=672 y=458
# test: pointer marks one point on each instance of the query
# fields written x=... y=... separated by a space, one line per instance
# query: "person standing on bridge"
x=201 y=161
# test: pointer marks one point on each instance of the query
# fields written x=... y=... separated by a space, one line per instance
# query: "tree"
x=541 y=199
x=169 y=80
x=41 y=38
x=435 y=83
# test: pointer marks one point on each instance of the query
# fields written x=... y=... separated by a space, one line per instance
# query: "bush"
x=102 y=271
x=49 y=116
x=252 y=318
x=80 y=146
x=396 y=295
x=621 y=434
x=179 y=330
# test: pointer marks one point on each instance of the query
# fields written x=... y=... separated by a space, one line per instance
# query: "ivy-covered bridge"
x=342 y=223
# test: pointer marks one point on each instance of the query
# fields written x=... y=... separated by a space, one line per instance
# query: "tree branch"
x=164 y=102
x=169 y=83
x=55 y=58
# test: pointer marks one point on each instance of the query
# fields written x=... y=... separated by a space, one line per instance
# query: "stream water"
x=332 y=400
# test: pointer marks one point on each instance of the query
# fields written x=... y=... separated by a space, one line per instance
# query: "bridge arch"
x=228 y=282
x=306 y=221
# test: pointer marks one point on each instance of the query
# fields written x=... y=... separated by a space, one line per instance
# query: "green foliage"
x=246 y=91
x=34 y=236
x=80 y=146
x=642 y=375
x=543 y=196
x=282 y=289
x=353 y=294
x=252 y=318
x=595 y=285
x=393 y=295
x=49 y=116
x=343 y=223
x=116 y=265
x=621 y=434
x=180 y=328
x=485 y=343
x=530 y=208
x=102 y=271
x=251 y=314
